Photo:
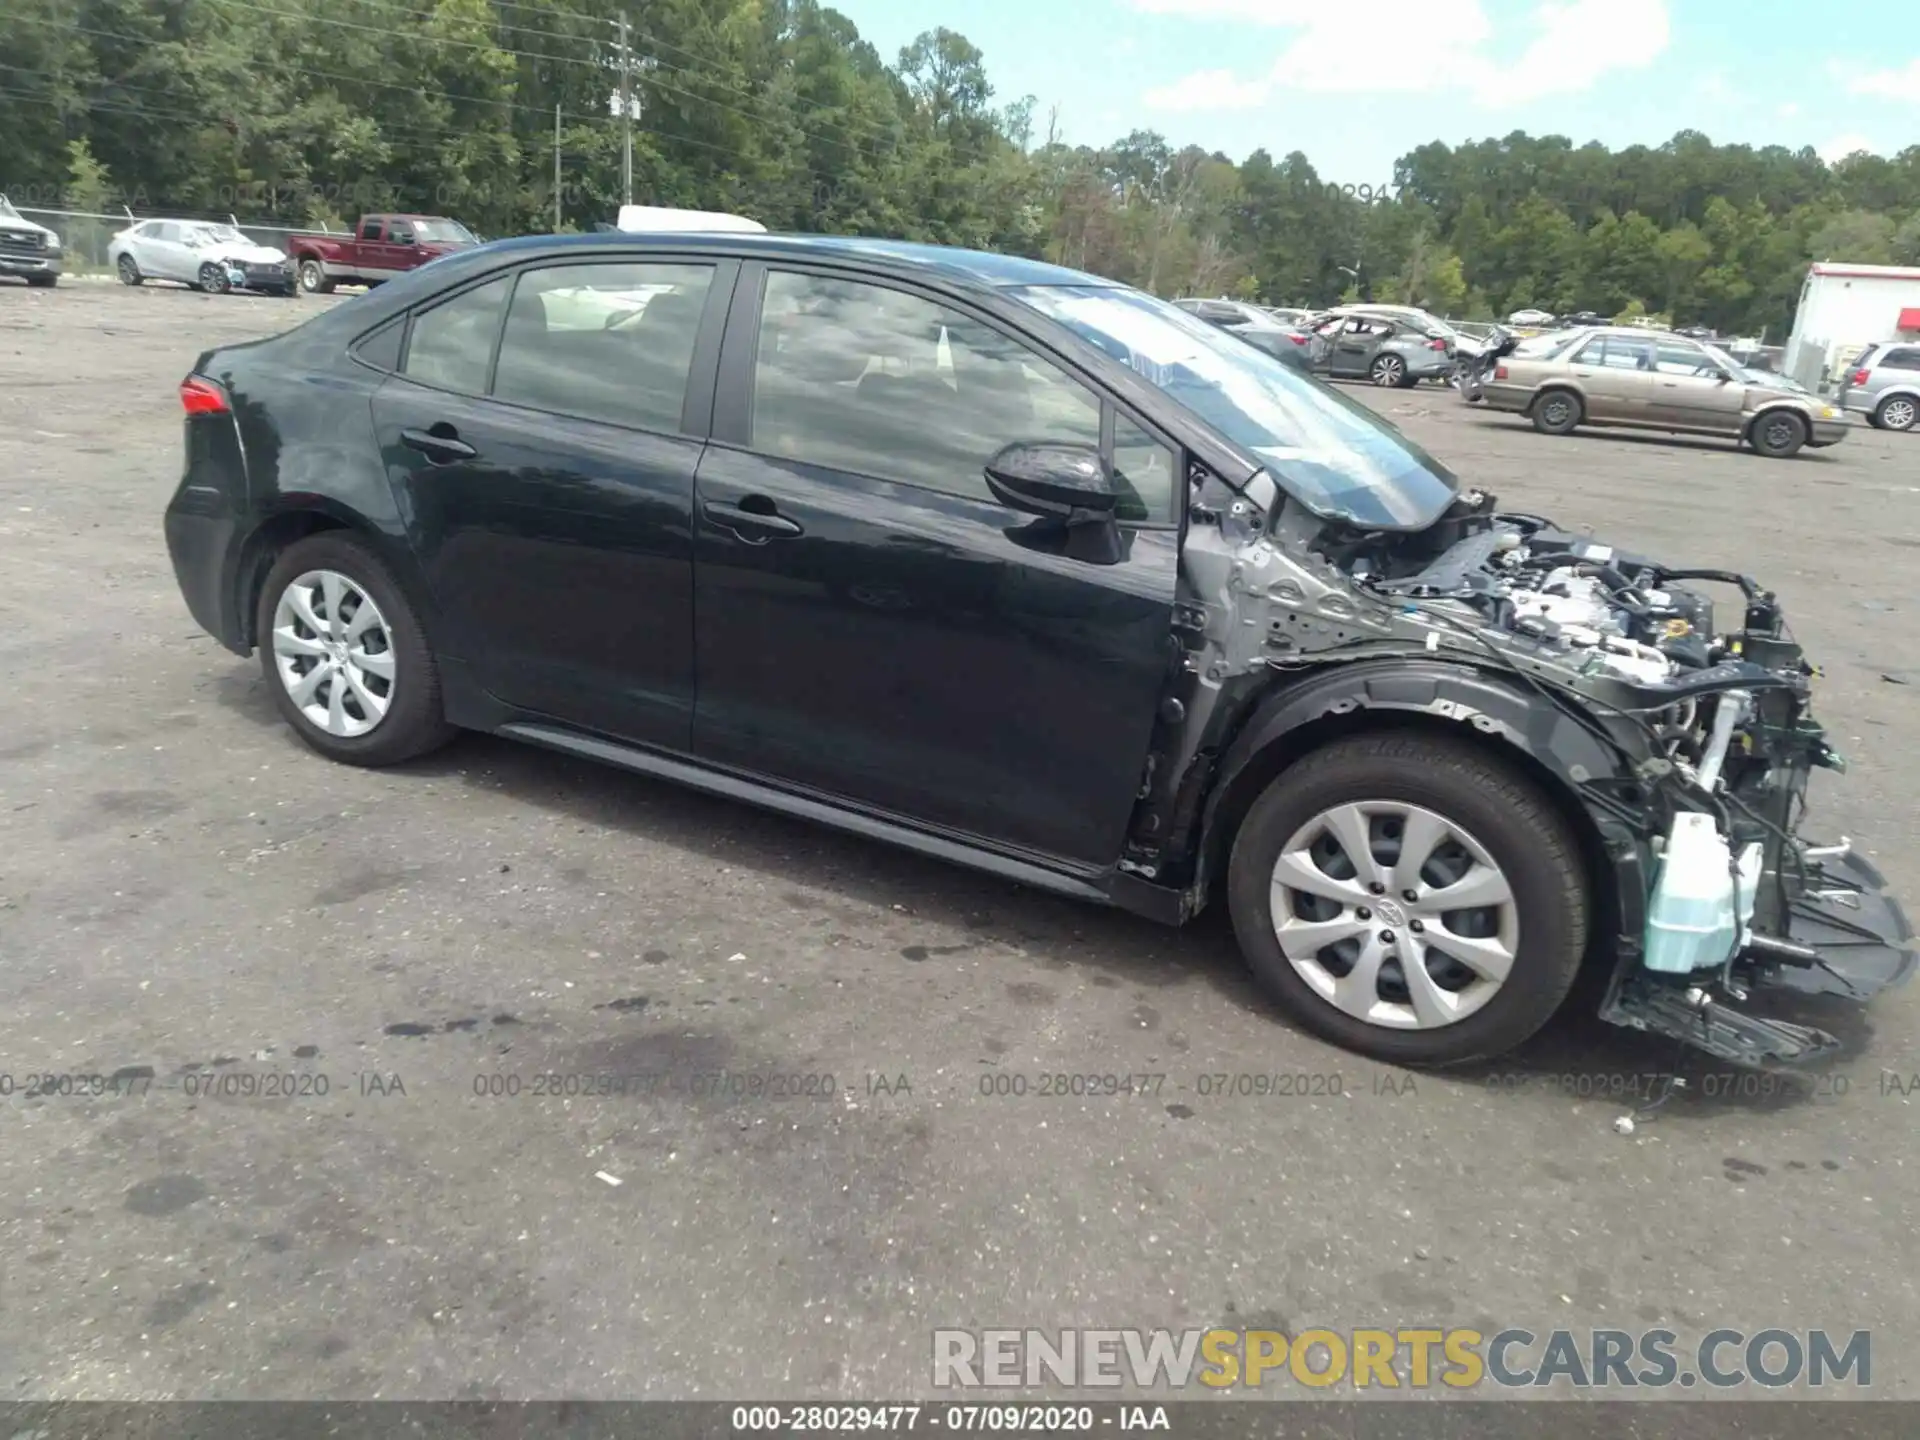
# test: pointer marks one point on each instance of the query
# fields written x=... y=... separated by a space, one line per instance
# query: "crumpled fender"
x=1483 y=704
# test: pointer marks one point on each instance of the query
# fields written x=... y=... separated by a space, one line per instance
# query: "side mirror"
x=406 y=239
x=1068 y=482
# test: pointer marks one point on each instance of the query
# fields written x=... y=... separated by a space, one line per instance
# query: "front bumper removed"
x=1847 y=939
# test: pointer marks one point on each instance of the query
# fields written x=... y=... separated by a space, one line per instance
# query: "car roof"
x=978 y=267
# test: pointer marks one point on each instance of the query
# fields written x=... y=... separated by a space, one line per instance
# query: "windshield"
x=1330 y=453
x=443 y=232
x=199 y=236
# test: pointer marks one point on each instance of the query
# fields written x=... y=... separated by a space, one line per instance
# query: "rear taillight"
x=1436 y=344
x=1859 y=377
x=1298 y=339
x=1499 y=372
x=203 y=397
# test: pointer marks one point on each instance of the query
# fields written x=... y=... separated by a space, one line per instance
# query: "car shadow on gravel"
x=1577 y=1056
x=1655 y=439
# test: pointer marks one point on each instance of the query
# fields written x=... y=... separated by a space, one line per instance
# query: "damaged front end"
x=1688 y=746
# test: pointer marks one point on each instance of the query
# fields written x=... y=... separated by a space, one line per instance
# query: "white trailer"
x=1845 y=308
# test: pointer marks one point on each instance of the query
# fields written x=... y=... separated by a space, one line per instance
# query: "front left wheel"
x=1411 y=898
x=345 y=656
x=213 y=279
x=1778 y=435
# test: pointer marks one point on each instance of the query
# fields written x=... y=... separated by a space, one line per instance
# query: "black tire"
x=1519 y=828
x=312 y=278
x=1387 y=370
x=129 y=271
x=1777 y=434
x=1557 y=412
x=43 y=282
x=1897 y=412
x=415 y=722
x=213 y=279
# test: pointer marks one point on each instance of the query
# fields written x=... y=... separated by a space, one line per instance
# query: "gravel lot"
x=185 y=888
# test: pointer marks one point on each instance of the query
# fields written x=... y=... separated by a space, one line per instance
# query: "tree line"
x=306 y=111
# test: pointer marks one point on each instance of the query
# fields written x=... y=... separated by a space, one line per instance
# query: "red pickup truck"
x=381 y=247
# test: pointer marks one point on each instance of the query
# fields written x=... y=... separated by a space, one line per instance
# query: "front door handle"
x=440 y=443
x=753 y=519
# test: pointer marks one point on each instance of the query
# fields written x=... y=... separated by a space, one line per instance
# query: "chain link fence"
x=85 y=235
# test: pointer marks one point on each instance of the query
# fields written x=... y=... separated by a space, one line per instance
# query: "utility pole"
x=626 y=115
x=556 y=168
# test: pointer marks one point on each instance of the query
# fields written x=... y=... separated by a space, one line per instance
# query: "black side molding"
x=1084 y=885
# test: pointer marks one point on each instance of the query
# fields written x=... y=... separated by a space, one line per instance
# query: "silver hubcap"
x=334 y=653
x=1897 y=414
x=1780 y=434
x=1387 y=371
x=310 y=275
x=1394 y=914
x=1557 y=412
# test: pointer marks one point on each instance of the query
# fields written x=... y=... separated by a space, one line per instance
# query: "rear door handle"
x=753 y=519
x=439 y=443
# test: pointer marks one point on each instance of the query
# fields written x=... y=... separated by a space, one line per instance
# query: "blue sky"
x=1357 y=83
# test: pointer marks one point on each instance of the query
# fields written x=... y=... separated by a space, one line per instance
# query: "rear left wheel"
x=1410 y=898
x=345 y=655
x=313 y=278
x=1387 y=371
x=1897 y=412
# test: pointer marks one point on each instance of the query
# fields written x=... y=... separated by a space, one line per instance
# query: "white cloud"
x=1900 y=84
x=1841 y=146
x=1210 y=90
x=1789 y=110
x=1253 y=12
x=1435 y=45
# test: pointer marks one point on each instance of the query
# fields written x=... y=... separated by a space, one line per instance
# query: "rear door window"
x=1685 y=360
x=612 y=343
x=1902 y=357
x=451 y=345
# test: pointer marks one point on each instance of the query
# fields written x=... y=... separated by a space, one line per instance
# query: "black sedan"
x=1019 y=568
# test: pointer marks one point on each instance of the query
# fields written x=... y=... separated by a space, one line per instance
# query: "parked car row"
x=215 y=257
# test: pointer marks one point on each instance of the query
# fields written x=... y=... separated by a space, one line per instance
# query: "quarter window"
x=604 y=342
x=452 y=344
x=1902 y=357
x=861 y=378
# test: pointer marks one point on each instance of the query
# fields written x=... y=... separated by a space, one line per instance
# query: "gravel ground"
x=186 y=892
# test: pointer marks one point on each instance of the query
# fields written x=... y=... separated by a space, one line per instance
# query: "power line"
x=505 y=50
x=475 y=100
x=386 y=129
x=654 y=43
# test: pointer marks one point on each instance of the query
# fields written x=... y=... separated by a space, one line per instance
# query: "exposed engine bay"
x=1695 y=742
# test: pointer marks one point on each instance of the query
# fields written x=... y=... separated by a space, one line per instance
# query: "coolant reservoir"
x=1693 y=920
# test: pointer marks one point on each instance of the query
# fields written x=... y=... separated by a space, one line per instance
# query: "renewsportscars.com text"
x=1401 y=1358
